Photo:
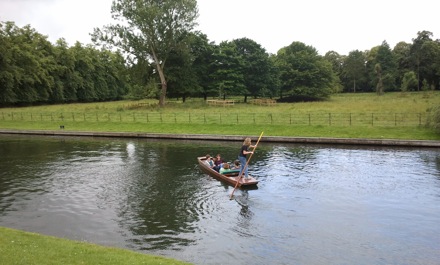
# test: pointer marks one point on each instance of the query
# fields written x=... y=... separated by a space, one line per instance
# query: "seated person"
x=218 y=162
x=209 y=161
x=236 y=164
x=224 y=168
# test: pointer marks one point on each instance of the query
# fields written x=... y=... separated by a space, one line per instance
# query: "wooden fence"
x=325 y=119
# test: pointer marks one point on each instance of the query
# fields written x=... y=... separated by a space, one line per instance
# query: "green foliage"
x=150 y=30
x=32 y=70
x=409 y=82
x=256 y=68
x=434 y=118
x=303 y=72
x=354 y=71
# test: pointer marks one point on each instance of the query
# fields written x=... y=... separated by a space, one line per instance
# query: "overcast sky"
x=338 y=25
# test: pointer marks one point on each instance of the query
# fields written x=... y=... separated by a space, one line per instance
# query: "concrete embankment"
x=273 y=139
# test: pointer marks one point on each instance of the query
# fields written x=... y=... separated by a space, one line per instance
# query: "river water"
x=314 y=204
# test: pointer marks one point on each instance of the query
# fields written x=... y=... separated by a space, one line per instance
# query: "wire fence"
x=325 y=119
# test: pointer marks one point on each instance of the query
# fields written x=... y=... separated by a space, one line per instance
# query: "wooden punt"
x=230 y=178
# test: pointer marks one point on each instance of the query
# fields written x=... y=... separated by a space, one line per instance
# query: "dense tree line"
x=34 y=71
x=407 y=67
x=160 y=55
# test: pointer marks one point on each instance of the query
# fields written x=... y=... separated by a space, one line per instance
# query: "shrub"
x=433 y=120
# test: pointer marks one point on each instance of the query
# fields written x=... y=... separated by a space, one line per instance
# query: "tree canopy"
x=35 y=71
x=150 y=30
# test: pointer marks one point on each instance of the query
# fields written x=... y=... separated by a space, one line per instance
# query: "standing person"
x=243 y=156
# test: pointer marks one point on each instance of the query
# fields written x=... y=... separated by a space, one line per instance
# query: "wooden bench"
x=217 y=102
x=263 y=101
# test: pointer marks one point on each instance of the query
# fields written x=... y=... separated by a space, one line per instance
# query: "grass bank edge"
x=354 y=132
x=20 y=247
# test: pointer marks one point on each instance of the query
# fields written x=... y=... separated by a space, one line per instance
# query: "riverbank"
x=214 y=137
x=19 y=247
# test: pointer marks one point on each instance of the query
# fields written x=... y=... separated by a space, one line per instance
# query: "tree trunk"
x=163 y=81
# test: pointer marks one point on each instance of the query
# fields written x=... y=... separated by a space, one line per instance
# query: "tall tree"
x=303 y=72
x=418 y=55
x=256 y=66
x=354 y=67
x=227 y=68
x=388 y=67
x=337 y=62
x=149 y=30
x=402 y=55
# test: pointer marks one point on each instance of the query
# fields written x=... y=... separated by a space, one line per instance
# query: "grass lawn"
x=18 y=247
x=390 y=116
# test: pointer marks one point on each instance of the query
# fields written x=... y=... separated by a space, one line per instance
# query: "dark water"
x=313 y=205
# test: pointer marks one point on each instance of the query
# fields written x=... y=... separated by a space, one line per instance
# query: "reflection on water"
x=314 y=204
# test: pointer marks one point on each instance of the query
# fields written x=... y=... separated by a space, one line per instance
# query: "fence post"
x=372 y=119
x=310 y=120
x=175 y=118
x=73 y=116
x=350 y=119
x=237 y=118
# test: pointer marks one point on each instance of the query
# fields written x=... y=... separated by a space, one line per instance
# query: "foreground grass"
x=17 y=247
x=408 y=103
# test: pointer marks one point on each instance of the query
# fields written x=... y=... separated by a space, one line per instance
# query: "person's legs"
x=242 y=165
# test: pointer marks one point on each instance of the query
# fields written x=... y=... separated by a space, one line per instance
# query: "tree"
x=256 y=66
x=379 y=85
x=354 y=67
x=227 y=67
x=303 y=72
x=149 y=30
x=388 y=67
x=337 y=62
x=402 y=55
x=418 y=56
x=409 y=82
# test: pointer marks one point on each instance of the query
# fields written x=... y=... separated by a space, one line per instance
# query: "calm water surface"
x=314 y=204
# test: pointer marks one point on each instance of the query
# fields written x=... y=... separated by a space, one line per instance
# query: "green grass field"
x=18 y=247
x=391 y=116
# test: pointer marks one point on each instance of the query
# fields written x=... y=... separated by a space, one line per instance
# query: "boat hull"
x=231 y=179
